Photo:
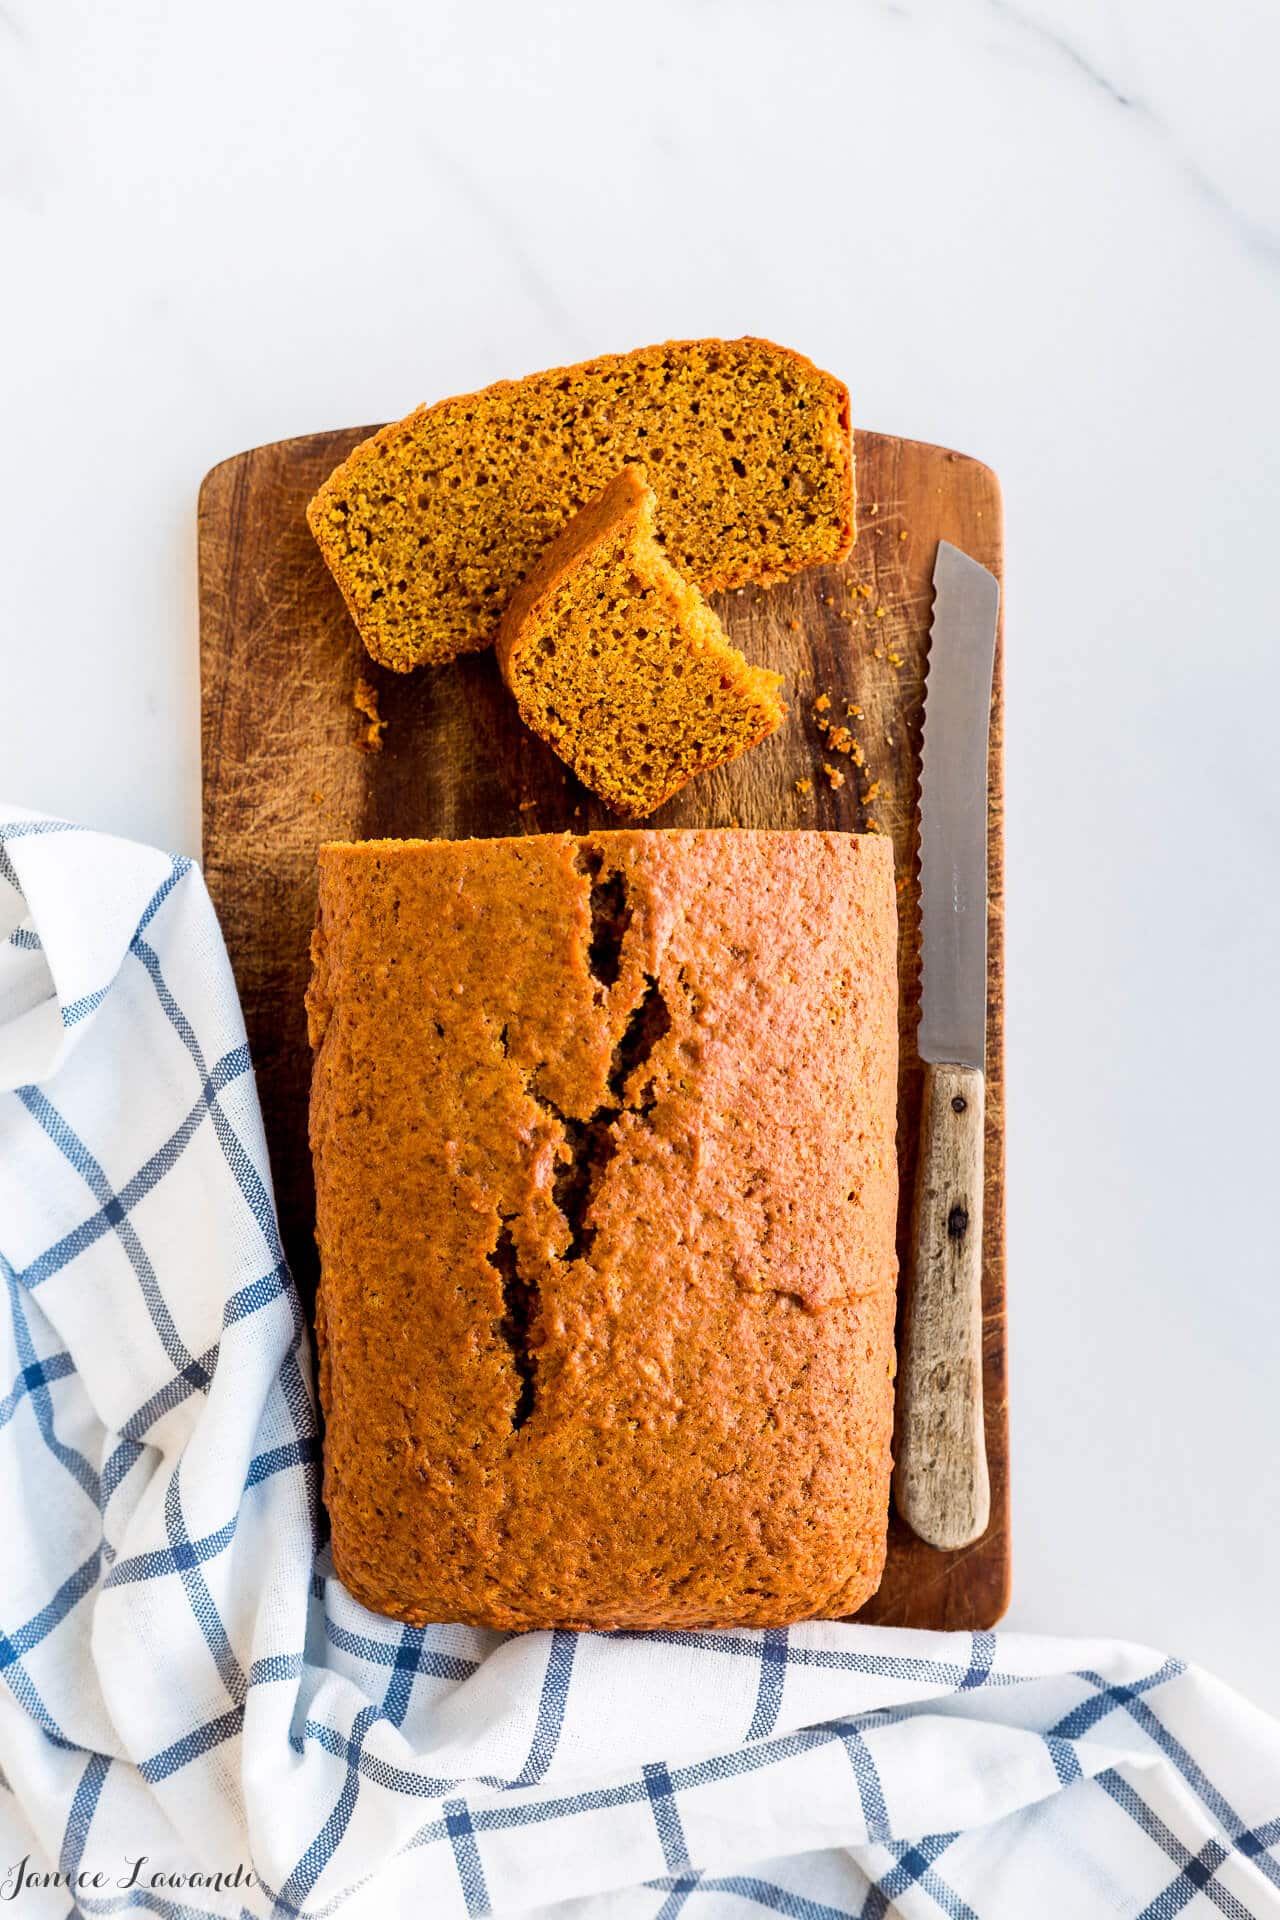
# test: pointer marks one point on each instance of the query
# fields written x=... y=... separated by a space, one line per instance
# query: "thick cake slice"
x=603 y=1132
x=430 y=525
x=621 y=665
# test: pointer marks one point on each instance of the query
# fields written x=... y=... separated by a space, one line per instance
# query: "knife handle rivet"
x=959 y=1104
x=941 y=1483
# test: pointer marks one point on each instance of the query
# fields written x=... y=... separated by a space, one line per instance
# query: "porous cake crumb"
x=620 y=664
x=429 y=526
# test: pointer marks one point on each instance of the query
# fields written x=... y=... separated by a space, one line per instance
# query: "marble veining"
x=1262 y=240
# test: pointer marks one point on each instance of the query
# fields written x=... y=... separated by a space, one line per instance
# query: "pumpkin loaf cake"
x=603 y=1132
x=621 y=665
x=430 y=525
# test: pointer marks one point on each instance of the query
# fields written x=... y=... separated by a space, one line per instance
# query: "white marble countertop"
x=1045 y=233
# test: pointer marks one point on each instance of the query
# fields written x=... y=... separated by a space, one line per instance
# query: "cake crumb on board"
x=365 y=700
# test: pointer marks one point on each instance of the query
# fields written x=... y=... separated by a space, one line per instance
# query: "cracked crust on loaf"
x=604 y=1141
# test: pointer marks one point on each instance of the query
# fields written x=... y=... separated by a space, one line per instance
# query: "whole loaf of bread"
x=603 y=1132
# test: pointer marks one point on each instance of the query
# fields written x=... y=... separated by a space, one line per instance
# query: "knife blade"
x=941 y=1485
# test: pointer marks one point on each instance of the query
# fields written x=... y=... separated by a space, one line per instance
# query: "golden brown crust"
x=382 y=514
x=624 y=504
x=604 y=1143
x=621 y=666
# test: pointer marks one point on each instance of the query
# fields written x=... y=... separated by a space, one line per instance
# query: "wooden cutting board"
x=286 y=765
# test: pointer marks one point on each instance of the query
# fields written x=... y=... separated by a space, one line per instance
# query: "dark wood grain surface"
x=285 y=766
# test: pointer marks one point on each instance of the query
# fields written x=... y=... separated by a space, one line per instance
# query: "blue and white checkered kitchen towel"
x=195 y=1718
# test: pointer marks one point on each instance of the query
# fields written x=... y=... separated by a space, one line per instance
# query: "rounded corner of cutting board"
x=298 y=447
x=212 y=489
x=979 y=474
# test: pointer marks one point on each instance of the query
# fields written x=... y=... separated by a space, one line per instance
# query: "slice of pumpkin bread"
x=429 y=526
x=621 y=665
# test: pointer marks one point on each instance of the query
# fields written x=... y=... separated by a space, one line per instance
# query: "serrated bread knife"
x=940 y=1479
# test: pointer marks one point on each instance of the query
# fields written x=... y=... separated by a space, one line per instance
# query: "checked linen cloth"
x=186 y=1685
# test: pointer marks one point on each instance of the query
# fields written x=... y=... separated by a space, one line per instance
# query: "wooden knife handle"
x=940 y=1480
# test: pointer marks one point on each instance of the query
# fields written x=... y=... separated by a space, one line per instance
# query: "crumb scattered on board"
x=365 y=701
x=839 y=738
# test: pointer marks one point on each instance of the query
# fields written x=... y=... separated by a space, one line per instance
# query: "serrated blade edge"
x=953 y=811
